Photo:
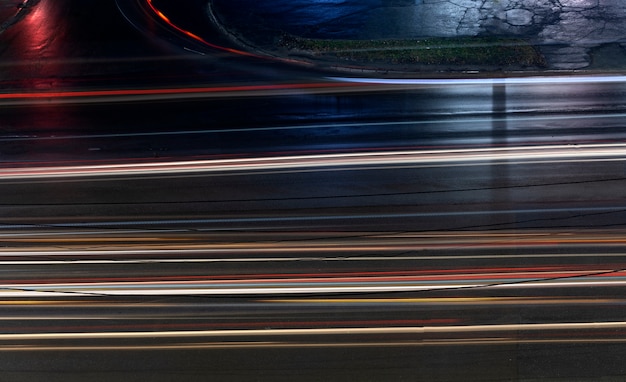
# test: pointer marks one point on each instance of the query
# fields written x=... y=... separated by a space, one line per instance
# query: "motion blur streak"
x=264 y=259
x=389 y=124
x=541 y=80
x=321 y=331
x=450 y=301
x=194 y=36
x=126 y=95
x=175 y=242
x=150 y=290
x=458 y=157
x=303 y=345
x=339 y=284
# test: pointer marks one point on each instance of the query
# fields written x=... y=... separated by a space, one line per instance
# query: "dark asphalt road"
x=283 y=227
x=418 y=117
x=377 y=197
x=532 y=362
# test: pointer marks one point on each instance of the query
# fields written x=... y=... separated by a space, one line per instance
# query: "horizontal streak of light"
x=347 y=278
x=125 y=95
x=72 y=233
x=521 y=301
x=459 y=121
x=334 y=86
x=147 y=290
x=299 y=344
x=337 y=240
x=273 y=259
x=116 y=306
x=194 y=36
x=354 y=239
x=73 y=309
x=82 y=303
x=369 y=242
x=612 y=325
x=135 y=59
x=525 y=80
x=166 y=246
x=556 y=152
x=302 y=282
x=614 y=209
x=397 y=277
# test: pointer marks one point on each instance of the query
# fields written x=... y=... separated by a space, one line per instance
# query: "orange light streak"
x=166 y=19
x=175 y=91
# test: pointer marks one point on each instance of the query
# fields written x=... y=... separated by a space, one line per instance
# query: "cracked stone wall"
x=565 y=30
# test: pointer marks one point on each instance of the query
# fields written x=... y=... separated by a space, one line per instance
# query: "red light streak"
x=166 y=19
x=172 y=91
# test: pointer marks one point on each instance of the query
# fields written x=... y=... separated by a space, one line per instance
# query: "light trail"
x=465 y=157
x=347 y=331
x=565 y=213
x=178 y=246
x=152 y=94
x=194 y=36
x=179 y=241
x=523 y=80
x=303 y=345
x=323 y=284
x=68 y=260
x=391 y=124
x=329 y=86
x=355 y=249
x=333 y=85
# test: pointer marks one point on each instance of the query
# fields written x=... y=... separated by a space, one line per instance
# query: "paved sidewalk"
x=571 y=34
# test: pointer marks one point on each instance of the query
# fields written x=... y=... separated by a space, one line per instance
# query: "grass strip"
x=491 y=51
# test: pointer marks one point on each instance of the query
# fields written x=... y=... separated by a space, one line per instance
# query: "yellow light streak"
x=411 y=330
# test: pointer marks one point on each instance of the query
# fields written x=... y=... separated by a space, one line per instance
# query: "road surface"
x=279 y=225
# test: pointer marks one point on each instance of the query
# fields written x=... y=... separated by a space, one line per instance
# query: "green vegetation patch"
x=490 y=51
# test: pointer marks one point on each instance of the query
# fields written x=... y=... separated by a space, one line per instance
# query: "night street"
x=184 y=200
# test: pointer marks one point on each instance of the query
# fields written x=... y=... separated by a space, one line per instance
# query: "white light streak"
x=150 y=289
x=526 y=80
x=412 y=157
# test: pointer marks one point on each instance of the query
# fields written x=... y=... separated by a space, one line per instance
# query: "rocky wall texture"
x=565 y=30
